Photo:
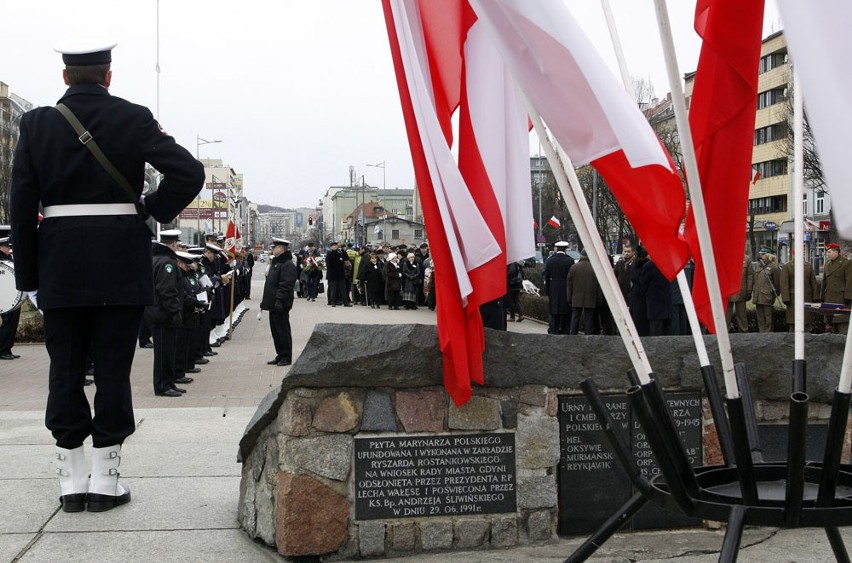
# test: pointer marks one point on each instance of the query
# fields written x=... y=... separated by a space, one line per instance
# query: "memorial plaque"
x=686 y=410
x=591 y=484
x=452 y=474
x=773 y=441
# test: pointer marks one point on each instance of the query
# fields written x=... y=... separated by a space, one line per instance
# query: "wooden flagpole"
x=582 y=216
x=683 y=283
x=697 y=201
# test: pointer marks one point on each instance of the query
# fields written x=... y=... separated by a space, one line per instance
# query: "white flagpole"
x=798 y=219
x=697 y=201
x=683 y=283
x=579 y=210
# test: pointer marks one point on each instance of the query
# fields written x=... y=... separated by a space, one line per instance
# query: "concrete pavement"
x=181 y=468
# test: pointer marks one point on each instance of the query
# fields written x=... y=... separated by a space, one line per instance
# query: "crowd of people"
x=657 y=307
x=399 y=277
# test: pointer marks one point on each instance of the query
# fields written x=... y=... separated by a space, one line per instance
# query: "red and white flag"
x=592 y=117
x=721 y=116
x=230 y=237
x=554 y=222
x=239 y=241
x=755 y=176
x=477 y=212
x=817 y=35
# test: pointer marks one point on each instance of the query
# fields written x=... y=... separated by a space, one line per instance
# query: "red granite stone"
x=338 y=413
x=310 y=518
x=422 y=411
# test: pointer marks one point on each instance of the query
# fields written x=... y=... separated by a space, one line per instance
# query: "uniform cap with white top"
x=86 y=53
x=172 y=235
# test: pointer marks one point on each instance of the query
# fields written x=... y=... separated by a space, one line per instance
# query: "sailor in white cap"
x=8 y=320
x=278 y=300
x=192 y=307
x=555 y=278
x=60 y=165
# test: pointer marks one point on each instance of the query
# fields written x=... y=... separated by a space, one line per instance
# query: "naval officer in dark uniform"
x=84 y=309
x=9 y=320
x=278 y=300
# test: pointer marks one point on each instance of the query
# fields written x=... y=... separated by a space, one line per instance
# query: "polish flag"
x=592 y=117
x=230 y=237
x=816 y=32
x=721 y=116
x=755 y=176
x=442 y=65
x=554 y=222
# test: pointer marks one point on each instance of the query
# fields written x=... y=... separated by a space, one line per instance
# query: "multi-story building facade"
x=338 y=203
x=12 y=107
x=220 y=200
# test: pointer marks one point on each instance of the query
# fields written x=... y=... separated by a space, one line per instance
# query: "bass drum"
x=10 y=298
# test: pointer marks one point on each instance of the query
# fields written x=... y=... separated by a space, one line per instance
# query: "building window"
x=771 y=61
x=820 y=204
x=770 y=204
x=769 y=168
x=418 y=233
x=772 y=133
x=771 y=97
x=804 y=204
x=394 y=234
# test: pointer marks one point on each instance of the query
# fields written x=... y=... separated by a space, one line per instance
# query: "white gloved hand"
x=232 y=263
x=259 y=315
x=33 y=297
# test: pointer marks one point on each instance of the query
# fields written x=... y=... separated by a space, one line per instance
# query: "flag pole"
x=579 y=210
x=697 y=201
x=798 y=218
x=683 y=283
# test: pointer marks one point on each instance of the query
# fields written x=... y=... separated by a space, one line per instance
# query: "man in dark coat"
x=658 y=299
x=584 y=294
x=9 y=320
x=336 y=276
x=278 y=300
x=555 y=278
x=166 y=315
x=84 y=309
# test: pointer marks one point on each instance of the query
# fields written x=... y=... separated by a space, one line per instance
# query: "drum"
x=10 y=298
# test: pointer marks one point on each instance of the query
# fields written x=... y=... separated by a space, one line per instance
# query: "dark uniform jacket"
x=555 y=276
x=168 y=289
x=836 y=280
x=767 y=282
x=192 y=307
x=280 y=281
x=788 y=289
x=52 y=167
x=746 y=283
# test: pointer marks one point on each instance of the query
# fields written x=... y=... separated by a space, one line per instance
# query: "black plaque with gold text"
x=451 y=474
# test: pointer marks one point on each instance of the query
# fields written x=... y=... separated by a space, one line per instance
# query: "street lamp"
x=199 y=141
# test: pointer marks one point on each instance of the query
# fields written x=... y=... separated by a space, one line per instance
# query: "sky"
x=296 y=90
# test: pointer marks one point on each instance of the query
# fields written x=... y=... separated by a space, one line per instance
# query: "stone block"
x=404 y=536
x=480 y=413
x=537 y=492
x=247 y=510
x=504 y=532
x=294 y=416
x=471 y=533
x=264 y=523
x=540 y=526
x=436 y=534
x=552 y=405
x=310 y=518
x=509 y=413
x=371 y=538
x=537 y=442
x=422 y=411
x=338 y=413
x=326 y=456
x=378 y=413
x=534 y=395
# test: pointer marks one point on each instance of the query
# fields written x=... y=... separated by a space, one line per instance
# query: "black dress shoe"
x=73 y=503
x=216 y=344
x=102 y=503
x=210 y=354
x=169 y=393
x=146 y=345
x=7 y=357
x=202 y=361
x=15 y=356
x=180 y=390
x=87 y=382
x=348 y=305
x=193 y=370
x=183 y=380
x=283 y=363
x=273 y=362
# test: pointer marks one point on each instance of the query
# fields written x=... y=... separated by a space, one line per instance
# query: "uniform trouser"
x=184 y=359
x=840 y=323
x=110 y=333
x=764 y=318
x=201 y=337
x=737 y=311
x=164 y=357
x=559 y=324
x=588 y=314
x=8 y=330
x=282 y=339
x=144 y=332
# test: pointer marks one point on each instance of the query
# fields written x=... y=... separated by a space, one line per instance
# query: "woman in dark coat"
x=411 y=281
x=372 y=276
x=393 y=282
x=515 y=283
x=638 y=307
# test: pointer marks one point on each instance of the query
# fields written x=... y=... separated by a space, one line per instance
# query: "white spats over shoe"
x=105 y=492
x=73 y=478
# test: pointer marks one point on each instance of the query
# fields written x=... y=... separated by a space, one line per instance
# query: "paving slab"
x=27 y=462
x=24 y=427
x=12 y=544
x=27 y=504
x=155 y=547
x=173 y=503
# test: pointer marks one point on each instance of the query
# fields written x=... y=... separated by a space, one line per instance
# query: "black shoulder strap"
x=89 y=142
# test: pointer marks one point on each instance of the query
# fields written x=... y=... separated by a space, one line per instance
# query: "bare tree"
x=643 y=90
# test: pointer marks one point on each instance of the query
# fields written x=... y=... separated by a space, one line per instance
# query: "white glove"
x=33 y=297
x=259 y=315
x=232 y=263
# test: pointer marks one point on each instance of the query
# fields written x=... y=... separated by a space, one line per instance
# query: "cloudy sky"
x=296 y=90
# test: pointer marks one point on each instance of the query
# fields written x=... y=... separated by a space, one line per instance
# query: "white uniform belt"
x=83 y=209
